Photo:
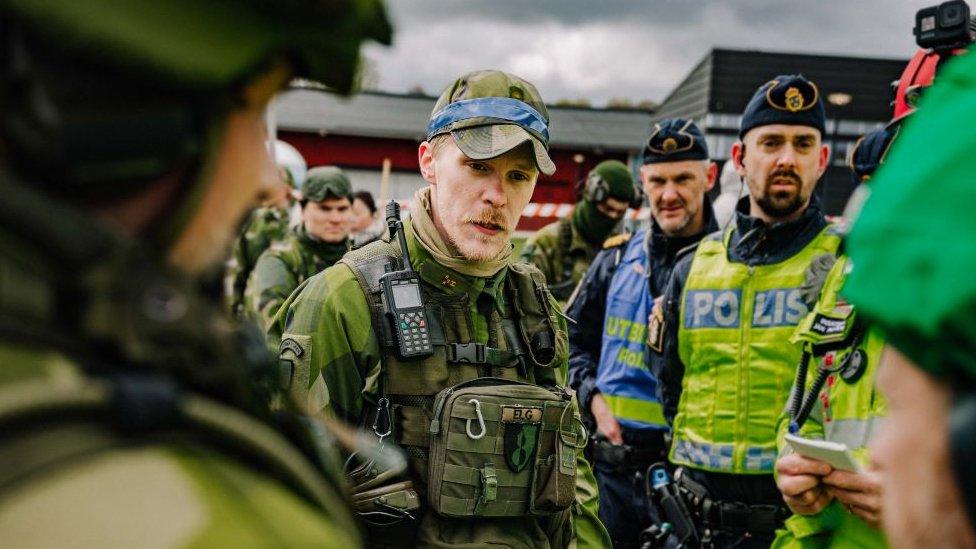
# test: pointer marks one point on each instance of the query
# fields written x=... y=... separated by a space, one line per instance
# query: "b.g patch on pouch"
x=522 y=425
x=655 y=329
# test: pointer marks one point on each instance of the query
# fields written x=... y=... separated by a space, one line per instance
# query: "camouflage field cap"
x=326 y=182
x=210 y=44
x=490 y=113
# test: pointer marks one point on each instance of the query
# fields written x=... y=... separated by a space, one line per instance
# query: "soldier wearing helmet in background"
x=316 y=243
x=265 y=225
x=133 y=142
x=563 y=250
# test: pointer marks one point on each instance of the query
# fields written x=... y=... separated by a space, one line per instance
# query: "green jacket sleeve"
x=268 y=286
x=539 y=251
x=587 y=528
x=326 y=332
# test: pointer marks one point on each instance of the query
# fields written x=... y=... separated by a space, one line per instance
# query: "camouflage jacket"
x=559 y=250
x=263 y=227
x=329 y=318
x=128 y=411
x=282 y=267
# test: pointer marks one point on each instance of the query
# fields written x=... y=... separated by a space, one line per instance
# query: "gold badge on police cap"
x=794 y=100
x=669 y=145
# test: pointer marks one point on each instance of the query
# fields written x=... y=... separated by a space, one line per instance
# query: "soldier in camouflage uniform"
x=494 y=330
x=265 y=225
x=133 y=140
x=317 y=243
x=563 y=250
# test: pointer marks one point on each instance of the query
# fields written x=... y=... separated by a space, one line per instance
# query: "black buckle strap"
x=758 y=519
x=731 y=516
x=478 y=354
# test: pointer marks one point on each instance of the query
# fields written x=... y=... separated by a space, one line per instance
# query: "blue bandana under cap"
x=494 y=109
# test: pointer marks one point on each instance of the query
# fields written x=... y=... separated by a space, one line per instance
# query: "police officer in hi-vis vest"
x=729 y=311
x=607 y=346
x=834 y=398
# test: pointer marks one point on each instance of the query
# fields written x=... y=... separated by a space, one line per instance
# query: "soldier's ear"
x=425 y=157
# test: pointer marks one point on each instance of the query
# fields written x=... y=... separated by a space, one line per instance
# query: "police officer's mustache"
x=783 y=174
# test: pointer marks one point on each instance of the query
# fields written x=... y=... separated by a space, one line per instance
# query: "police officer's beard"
x=781 y=205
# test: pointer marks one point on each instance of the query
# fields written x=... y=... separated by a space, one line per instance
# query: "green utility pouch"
x=501 y=448
x=537 y=323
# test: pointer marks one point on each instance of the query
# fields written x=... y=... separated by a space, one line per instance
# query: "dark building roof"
x=724 y=81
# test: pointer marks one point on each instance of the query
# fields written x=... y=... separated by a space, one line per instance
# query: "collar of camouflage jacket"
x=442 y=251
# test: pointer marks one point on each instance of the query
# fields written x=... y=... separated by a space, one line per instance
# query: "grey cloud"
x=602 y=49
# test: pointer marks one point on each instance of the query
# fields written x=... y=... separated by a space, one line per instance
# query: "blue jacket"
x=588 y=308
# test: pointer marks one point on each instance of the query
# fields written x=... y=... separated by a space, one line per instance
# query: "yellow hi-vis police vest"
x=846 y=411
x=734 y=328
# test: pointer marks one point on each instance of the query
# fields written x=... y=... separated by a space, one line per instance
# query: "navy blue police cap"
x=870 y=151
x=787 y=99
x=673 y=140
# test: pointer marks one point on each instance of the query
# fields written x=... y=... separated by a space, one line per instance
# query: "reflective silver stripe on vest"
x=855 y=433
x=719 y=456
x=760 y=459
x=713 y=456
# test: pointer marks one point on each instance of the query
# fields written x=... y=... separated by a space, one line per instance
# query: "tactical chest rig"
x=487 y=431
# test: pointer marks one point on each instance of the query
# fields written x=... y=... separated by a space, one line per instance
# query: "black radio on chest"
x=403 y=300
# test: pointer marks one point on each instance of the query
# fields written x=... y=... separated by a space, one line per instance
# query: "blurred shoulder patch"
x=617 y=240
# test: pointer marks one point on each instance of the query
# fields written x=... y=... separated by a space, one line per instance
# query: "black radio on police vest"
x=403 y=300
x=946 y=26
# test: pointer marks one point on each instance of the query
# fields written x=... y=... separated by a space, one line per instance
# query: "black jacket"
x=588 y=308
x=753 y=243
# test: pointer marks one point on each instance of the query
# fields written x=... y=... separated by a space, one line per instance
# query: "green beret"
x=326 y=182
x=913 y=245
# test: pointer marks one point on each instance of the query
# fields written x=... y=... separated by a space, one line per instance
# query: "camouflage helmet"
x=324 y=182
x=210 y=44
x=491 y=112
x=106 y=95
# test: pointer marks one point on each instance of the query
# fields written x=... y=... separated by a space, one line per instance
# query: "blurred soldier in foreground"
x=563 y=250
x=133 y=141
x=608 y=341
x=729 y=311
x=316 y=243
x=435 y=339
x=913 y=255
x=834 y=400
x=265 y=225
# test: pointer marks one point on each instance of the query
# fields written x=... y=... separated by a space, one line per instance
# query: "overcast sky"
x=638 y=49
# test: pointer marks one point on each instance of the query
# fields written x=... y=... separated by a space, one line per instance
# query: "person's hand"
x=800 y=480
x=859 y=492
x=605 y=422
